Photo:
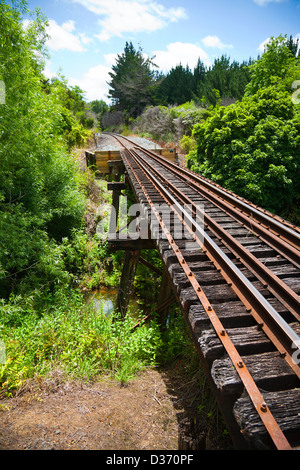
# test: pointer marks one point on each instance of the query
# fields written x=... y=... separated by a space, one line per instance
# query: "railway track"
x=235 y=270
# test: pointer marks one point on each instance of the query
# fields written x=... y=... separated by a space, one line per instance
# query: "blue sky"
x=86 y=35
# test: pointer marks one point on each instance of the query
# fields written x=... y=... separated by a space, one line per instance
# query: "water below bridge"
x=104 y=300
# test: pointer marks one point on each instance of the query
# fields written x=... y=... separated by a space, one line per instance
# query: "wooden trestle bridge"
x=234 y=270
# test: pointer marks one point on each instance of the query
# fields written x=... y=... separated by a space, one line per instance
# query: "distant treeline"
x=203 y=85
x=136 y=83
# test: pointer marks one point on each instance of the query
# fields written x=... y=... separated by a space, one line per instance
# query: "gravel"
x=107 y=142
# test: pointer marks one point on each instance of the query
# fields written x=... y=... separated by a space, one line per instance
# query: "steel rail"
x=287 y=230
x=286 y=241
x=292 y=232
x=276 y=328
x=275 y=285
x=271 y=425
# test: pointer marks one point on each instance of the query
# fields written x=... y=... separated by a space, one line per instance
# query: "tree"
x=99 y=107
x=39 y=198
x=277 y=66
x=72 y=100
x=253 y=146
x=177 y=87
x=230 y=79
x=293 y=45
x=132 y=81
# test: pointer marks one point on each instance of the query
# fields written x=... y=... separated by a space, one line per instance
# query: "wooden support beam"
x=129 y=199
x=116 y=168
x=129 y=245
x=148 y=317
x=165 y=297
x=116 y=163
x=116 y=186
x=150 y=266
x=126 y=282
x=90 y=159
x=114 y=213
x=166 y=303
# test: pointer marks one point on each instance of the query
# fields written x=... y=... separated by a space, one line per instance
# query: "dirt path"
x=61 y=415
x=71 y=415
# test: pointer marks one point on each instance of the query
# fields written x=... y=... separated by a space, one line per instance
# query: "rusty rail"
x=283 y=236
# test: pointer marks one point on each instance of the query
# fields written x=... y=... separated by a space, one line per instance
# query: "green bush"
x=67 y=334
x=253 y=146
x=40 y=198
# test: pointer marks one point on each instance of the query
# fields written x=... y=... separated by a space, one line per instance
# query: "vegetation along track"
x=238 y=285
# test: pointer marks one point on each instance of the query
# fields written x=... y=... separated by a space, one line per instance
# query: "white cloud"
x=214 y=41
x=62 y=37
x=84 y=39
x=47 y=70
x=131 y=16
x=26 y=23
x=262 y=45
x=180 y=53
x=265 y=2
x=111 y=58
x=94 y=83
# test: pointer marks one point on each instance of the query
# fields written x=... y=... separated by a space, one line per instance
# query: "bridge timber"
x=234 y=270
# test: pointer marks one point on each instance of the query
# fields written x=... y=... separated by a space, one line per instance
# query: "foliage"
x=132 y=81
x=68 y=335
x=187 y=144
x=177 y=87
x=157 y=121
x=169 y=123
x=74 y=120
x=40 y=200
x=253 y=146
x=71 y=337
x=99 y=107
x=278 y=66
x=293 y=45
x=230 y=79
x=182 y=84
x=190 y=114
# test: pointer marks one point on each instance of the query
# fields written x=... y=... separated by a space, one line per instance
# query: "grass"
x=70 y=336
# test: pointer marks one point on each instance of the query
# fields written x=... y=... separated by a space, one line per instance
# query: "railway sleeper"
x=169 y=256
x=235 y=228
x=188 y=296
x=293 y=283
x=277 y=260
x=270 y=372
x=223 y=218
x=247 y=340
x=284 y=406
x=215 y=286
x=285 y=271
x=204 y=277
x=164 y=246
x=211 y=208
x=231 y=314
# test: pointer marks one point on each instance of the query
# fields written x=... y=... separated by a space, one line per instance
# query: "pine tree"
x=132 y=81
x=293 y=45
x=177 y=87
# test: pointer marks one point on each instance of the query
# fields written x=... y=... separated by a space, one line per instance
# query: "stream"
x=104 y=300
